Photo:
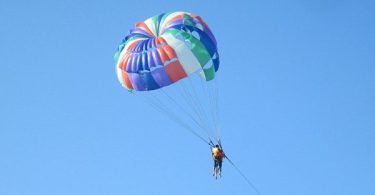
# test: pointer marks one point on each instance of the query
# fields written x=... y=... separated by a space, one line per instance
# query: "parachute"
x=171 y=61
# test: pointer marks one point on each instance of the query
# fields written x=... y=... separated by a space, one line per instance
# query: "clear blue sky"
x=297 y=89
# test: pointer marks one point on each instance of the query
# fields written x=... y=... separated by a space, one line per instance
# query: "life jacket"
x=217 y=153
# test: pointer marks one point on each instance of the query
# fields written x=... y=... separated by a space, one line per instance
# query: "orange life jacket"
x=217 y=153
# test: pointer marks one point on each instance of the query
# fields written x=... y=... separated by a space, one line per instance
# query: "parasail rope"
x=217 y=109
x=244 y=176
x=164 y=111
x=182 y=109
x=200 y=112
x=189 y=100
x=213 y=112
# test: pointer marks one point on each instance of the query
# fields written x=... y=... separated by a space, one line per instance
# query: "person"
x=217 y=155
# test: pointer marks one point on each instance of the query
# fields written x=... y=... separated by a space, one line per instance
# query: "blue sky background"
x=297 y=91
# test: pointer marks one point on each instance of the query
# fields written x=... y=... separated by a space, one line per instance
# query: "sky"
x=296 y=87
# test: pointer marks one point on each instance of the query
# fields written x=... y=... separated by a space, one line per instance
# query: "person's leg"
x=216 y=166
x=213 y=173
x=220 y=165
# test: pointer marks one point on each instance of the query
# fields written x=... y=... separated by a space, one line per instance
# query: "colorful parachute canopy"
x=164 y=49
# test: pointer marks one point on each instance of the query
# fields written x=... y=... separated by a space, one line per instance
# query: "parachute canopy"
x=165 y=49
